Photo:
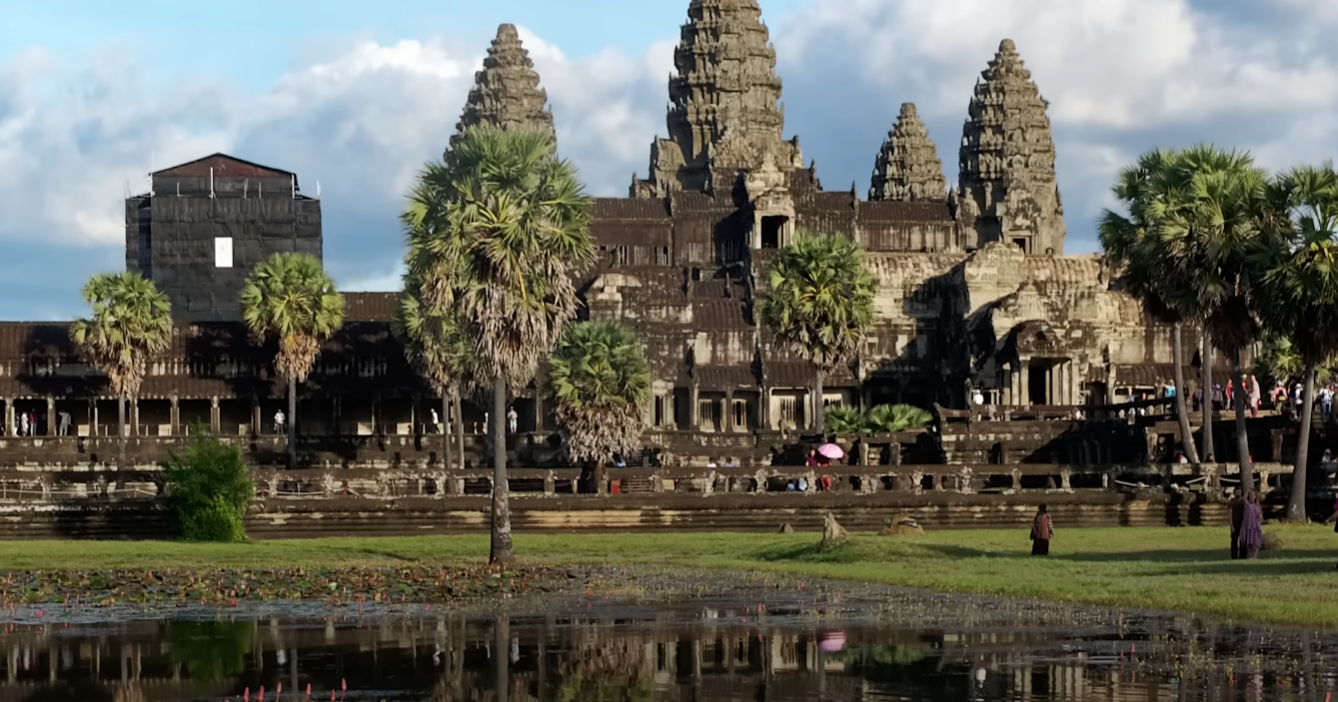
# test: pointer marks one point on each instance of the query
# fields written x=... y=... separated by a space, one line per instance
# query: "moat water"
x=868 y=646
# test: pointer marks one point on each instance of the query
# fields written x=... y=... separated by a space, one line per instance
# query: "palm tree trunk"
x=1242 y=438
x=292 y=423
x=1206 y=397
x=459 y=428
x=819 y=413
x=601 y=478
x=1181 y=411
x=444 y=426
x=501 y=553
x=1296 y=505
x=120 y=438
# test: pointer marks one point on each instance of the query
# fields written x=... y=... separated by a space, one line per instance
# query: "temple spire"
x=725 y=111
x=908 y=167
x=1007 y=190
x=506 y=92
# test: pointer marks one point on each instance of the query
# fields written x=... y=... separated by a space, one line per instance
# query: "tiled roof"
x=629 y=208
x=370 y=306
x=909 y=212
x=721 y=377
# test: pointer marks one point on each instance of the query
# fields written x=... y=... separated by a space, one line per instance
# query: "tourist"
x=812 y=459
x=279 y=420
x=1042 y=530
x=1236 y=508
x=1217 y=398
x=1326 y=403
x=64 y=428
x=1252 y=526
x=1180 y=457
x=1328 y=466
x=511 y=420
x=618 y=461
x=23 y=424
x=436 y=422
x=1255 y=394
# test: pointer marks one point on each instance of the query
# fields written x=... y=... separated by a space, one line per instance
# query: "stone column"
x=174 y=416
x=540 y=381
x=764 y=409
x=134 y=416
x=215 y=416
x=728 y=422
x=50 y=416
x=1024 y=383
x=694 y=423
x=255 y=416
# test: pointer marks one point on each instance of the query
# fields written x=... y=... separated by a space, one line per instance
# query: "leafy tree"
x=290 y=297
x=436 y=346
x=1298 y=290
x=599 y=382
x=820 y=304
x=130 y=325
x=1278 y=360
x=210 y=489
x=502 y=230
x=1153 y=191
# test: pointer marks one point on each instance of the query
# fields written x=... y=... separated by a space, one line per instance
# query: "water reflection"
x=641 y=654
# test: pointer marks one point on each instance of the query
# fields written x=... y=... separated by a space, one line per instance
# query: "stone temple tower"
x=506 y=92
x=908 y=167
x=724 y=114
x=1007 y=189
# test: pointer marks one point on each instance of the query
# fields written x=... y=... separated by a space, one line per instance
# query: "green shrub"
x=210 y=489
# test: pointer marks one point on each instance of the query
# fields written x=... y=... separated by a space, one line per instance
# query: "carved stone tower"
x=506 y=92
x=908 y=167
x=1007 y=189
x=724 y=114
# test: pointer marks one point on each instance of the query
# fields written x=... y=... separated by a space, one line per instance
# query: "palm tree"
x=440 y=351
x=599 y=382
x=504 y=228
x=890 y=419
x=131 y=324
x=820 y=304
x=289 y=296
x=1210 y=242
x=1152 y=191
x=840 y=419
x=1298 y=268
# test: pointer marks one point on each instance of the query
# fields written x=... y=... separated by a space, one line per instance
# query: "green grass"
x=1180 y=569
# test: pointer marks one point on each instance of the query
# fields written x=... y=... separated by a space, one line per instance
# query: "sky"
x=357 y=96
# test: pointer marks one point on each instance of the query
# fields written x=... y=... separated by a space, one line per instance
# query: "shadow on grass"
x=388 y=554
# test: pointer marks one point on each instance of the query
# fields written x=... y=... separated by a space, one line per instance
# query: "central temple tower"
x=725 y=114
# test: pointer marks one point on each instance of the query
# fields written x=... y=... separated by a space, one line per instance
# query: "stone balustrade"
x=529 y=483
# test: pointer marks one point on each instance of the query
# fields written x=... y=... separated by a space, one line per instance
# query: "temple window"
x=661 y=255
x=772 y=228
x=1021 y=244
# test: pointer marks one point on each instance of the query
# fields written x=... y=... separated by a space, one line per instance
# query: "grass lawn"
x=1181 y=569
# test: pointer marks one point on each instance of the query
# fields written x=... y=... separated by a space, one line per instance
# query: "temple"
x=974 y=290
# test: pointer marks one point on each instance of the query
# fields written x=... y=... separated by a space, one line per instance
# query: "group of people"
x=34 y=424
x=1247 y=524
x=1223 y=398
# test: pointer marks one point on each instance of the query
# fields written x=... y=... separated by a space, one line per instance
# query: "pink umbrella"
x=832 y=642
x=831 y=451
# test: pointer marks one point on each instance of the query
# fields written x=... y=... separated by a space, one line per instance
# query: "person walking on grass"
x=1042 y=530
x=1236 y=509
x=1252 y=526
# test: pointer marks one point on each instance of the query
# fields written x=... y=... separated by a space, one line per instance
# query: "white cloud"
x=1121 y=75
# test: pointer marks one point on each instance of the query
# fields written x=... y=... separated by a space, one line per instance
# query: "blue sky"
x=357 y=95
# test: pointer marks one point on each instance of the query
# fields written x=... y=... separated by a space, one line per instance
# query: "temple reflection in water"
x=721 y=656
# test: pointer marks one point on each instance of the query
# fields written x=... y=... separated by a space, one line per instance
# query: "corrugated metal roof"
x=224 y=166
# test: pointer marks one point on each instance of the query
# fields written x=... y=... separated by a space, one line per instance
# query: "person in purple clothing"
x=1252 y=526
